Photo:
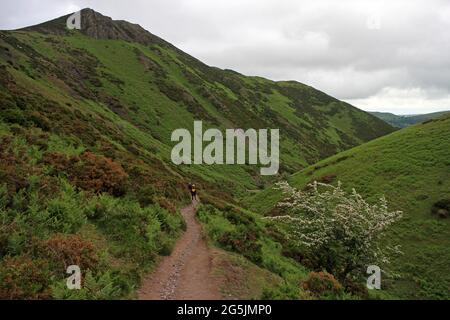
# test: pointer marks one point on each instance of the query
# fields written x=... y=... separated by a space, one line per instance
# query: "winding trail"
x=186 y=273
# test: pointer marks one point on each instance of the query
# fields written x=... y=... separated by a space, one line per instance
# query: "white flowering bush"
x=339 y=231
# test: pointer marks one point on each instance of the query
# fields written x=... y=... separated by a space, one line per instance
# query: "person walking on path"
x=193 y=191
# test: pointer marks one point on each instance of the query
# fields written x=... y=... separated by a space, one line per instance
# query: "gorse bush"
x=339 y=232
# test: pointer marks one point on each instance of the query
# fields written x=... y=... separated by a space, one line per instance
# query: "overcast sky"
x=377 y=55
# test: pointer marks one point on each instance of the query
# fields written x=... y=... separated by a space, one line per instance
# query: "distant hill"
x=402 y=121
x=411 y=167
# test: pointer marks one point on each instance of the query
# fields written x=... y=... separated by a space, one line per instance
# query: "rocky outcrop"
x=98 y=26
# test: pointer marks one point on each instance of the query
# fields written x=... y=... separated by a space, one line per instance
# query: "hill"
x=403 y=121
x=117 y=71
x=411 y=168
x=86 y=118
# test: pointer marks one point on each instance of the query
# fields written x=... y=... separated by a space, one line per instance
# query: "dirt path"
x=186 y=273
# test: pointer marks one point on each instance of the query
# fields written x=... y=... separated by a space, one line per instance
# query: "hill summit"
x=98 y=26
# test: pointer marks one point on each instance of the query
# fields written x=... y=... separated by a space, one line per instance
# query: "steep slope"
x=411 y=167
x=406 y=120
x=120 y=72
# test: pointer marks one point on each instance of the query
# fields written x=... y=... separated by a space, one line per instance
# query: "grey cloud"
x=363 y=51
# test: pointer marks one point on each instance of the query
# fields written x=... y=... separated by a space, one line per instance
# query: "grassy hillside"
x=85 y=172
x=406 y=120
x=411 y=167
x=143 y=88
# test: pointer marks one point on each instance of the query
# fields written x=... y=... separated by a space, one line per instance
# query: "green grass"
x=411 y=168
x=240 y=231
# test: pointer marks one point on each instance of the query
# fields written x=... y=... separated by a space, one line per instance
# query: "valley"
x=87 y=175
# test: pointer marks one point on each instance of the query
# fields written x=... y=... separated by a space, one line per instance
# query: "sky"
x=391 y=56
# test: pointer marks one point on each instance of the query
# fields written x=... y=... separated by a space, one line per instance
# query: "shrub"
x=233 y=230
x=170 y=222
x=13 y=116
x=64 y=213
x=40 y=121
x=24 y=278
x=243 y=241
x=100 y=174
x=65 y=250
x=236 y=216
x=90 y=172
x=356 y=289
x=166 y=204
x=146 y=194
x=59 y=161
x=322 y=284
x=340 y=232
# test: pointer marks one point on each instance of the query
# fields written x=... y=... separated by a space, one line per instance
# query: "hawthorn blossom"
x=325 y=216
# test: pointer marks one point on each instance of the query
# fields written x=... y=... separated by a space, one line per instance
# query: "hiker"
x=193 y=191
